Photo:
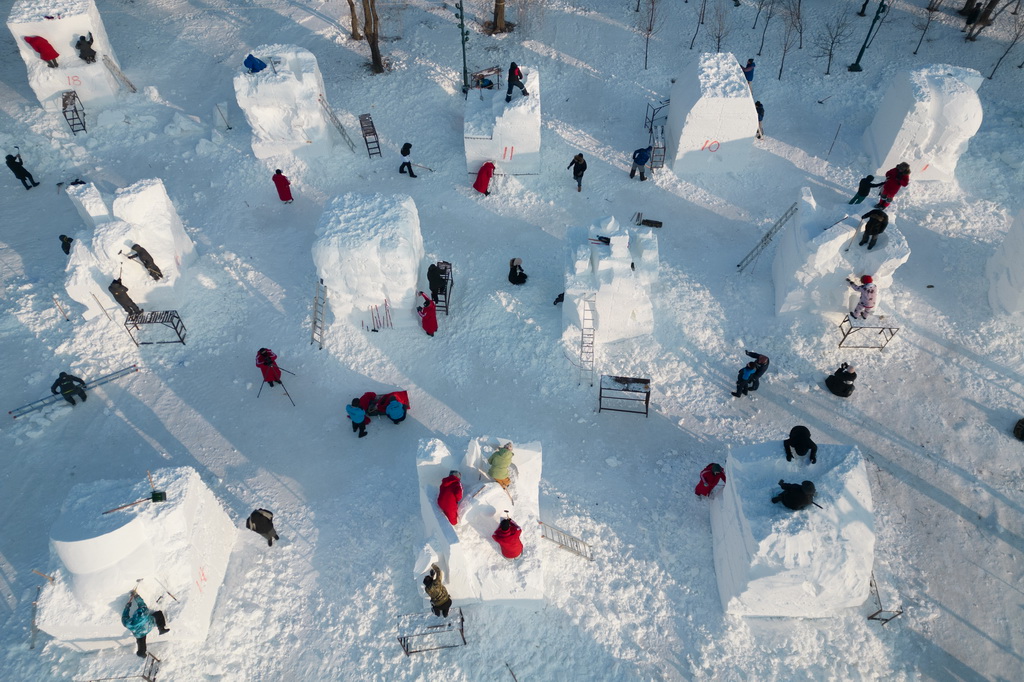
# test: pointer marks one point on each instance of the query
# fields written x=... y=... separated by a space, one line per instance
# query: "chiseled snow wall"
x=1005 y=272
x=926 y=118
x=507 y=134
x=282 y=103
x=369 y=249
x=772 y=561
x=711 y=120
x=181 y=545
x=69 y=19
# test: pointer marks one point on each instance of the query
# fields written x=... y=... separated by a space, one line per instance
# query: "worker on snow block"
x=515 y=80
x=800 y=442
x=877 y=221
x=500 y=462
x=709 y=479
x=450 y=495
x=267 y=362
x=140 y=620
x=440 y=601
x=262 y=521
x=794 y=496
x=120 y=293
x=69 y=386
x=140 y=254
x=254 y=64
x=84 y=47
x=507 y=537
x=45 y=50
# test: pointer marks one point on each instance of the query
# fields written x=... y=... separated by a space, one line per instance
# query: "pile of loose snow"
x=772 y=561
x=507 y=134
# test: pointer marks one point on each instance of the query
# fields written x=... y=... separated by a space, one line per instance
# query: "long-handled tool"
x=155 y=496
x=419 y=166
x=165 y=589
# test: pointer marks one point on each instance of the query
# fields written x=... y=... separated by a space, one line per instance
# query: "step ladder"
x=655 y=115
x=369 y=132
x=317 y=323
x=444 y=295
x=118 y=73
x=567 y=542
x=587 y=334
x=333 y=118
x=657 y=147
x=74 y=111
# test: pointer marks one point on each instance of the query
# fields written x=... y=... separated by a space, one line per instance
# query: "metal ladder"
x=317 y=324
x=334 y=119
x=567 y=542
x=587 y=334
x=118 y=73
x=767 y=238
x=658 y=147
x=74 y=112
x=369 y=132
x=449 y=284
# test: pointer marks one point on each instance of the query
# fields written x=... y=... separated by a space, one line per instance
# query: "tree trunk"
x=356 y=35
x=371 y=23
x=499 y=16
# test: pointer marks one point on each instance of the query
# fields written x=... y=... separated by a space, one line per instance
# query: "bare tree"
x=371 y=29
x=794 y=14
x=700 y=21
x=499 y=16
x=354 y=19
x=1016 y=34
x=721 y=26
x=988 y=16
x=926 y=21
x=650 y=24
x=789 y=35
x=832 y=35
x=761 y=4
x=769 y=13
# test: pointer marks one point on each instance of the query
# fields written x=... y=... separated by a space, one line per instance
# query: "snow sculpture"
x=926 y=118
x=282 y=103
x=506 y=134
x=62 y=23
x=812 y=261
x=618 y=276
x=179 y=546
x=1005 y=272
x=475 y=570
x=771 y=561
x=143 y=214
x=369 y=250
x=711 y=119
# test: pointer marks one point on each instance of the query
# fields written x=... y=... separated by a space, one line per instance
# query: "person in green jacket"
x=500 y=461
x=440 y=601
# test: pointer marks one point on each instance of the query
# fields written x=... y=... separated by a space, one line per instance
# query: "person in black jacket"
x=864 y=189
x=800 y=442
x=841 y=381
x=759 y=108
x=878 y=220
x=794 y=496
x=436 y=281
x=515 y=80
x=515 y=271
x=17 y=167
x=84 y=47
x=141 y=255
x=761 y=363
x=65 y=244
x=579 y=167
x=262 y=521
x=120 y=294
x=69 y=386
x=407 y=160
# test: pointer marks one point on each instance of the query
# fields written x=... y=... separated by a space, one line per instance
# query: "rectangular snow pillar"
x=282 y=103
x=61 y=25
x=711 y=119
x=156 y=224
x=507 y=134
x=90 y=204
x=926 y=118
x=1005 y=271
x=772 y=561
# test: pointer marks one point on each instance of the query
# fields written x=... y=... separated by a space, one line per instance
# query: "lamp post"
x=882 y=7
x=465 y=39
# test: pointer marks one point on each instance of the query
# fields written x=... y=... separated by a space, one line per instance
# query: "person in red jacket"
x=895 y=179
x=507 y=537
x=709 y=478
x=450 y=496
x=483 y=179
x=428 y=315
x=267 y=362
x=283 y=185
x=45 y=50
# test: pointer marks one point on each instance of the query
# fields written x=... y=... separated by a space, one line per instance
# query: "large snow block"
x=62 y=24
x=179 y=546
x=711 y=120
x=771 y=561
x=506 y=134
x=926 y=118
x=90 y=204
x=155 y=222
x=811 y=262
x=369 y=250
x=614 y=278
x=282 y=103
x=1005 y=272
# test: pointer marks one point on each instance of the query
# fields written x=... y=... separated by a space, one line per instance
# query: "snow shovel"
x=155 y=496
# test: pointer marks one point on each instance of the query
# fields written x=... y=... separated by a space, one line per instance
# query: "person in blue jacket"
x=358 y=416
x=744 y=380
x=140 y=620
x=395 y=411
x=748 y=71
x=640 y=159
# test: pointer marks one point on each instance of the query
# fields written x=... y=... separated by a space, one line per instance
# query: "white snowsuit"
x=868 y=298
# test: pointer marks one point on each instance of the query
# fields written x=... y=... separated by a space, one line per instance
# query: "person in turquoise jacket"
x=140 y=620
x=358 y=416
x=500 y=461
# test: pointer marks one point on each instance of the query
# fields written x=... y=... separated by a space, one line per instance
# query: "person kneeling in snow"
x=841 y=381
x=515 y=272
x=69 y=386
x=450 y=495
x=800 y=442
x=794 y=496
x=440 y=601
x=262 y=522
x=709 y=478
x=507 y=537
x=138 y=618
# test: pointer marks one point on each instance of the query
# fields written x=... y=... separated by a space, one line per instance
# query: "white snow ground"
x=932 y=413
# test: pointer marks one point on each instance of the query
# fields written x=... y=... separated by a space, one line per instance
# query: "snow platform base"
x=426 y=632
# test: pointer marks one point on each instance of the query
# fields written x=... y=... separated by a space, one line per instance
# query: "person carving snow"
x=140 y=621
x=84 y=47
x=794 y=496
x=895 y=179
x=868 y=297
x=500 y=462
x=440 y=600
x=878 y=220
x=450 y=495
x=515 y=80
x=261 y=521
x=709 y=478
x=840 y=383
x=45 y=50
x=507 y=537
x=800 y=442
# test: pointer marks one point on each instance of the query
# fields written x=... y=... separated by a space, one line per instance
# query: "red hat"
x=866 y=279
